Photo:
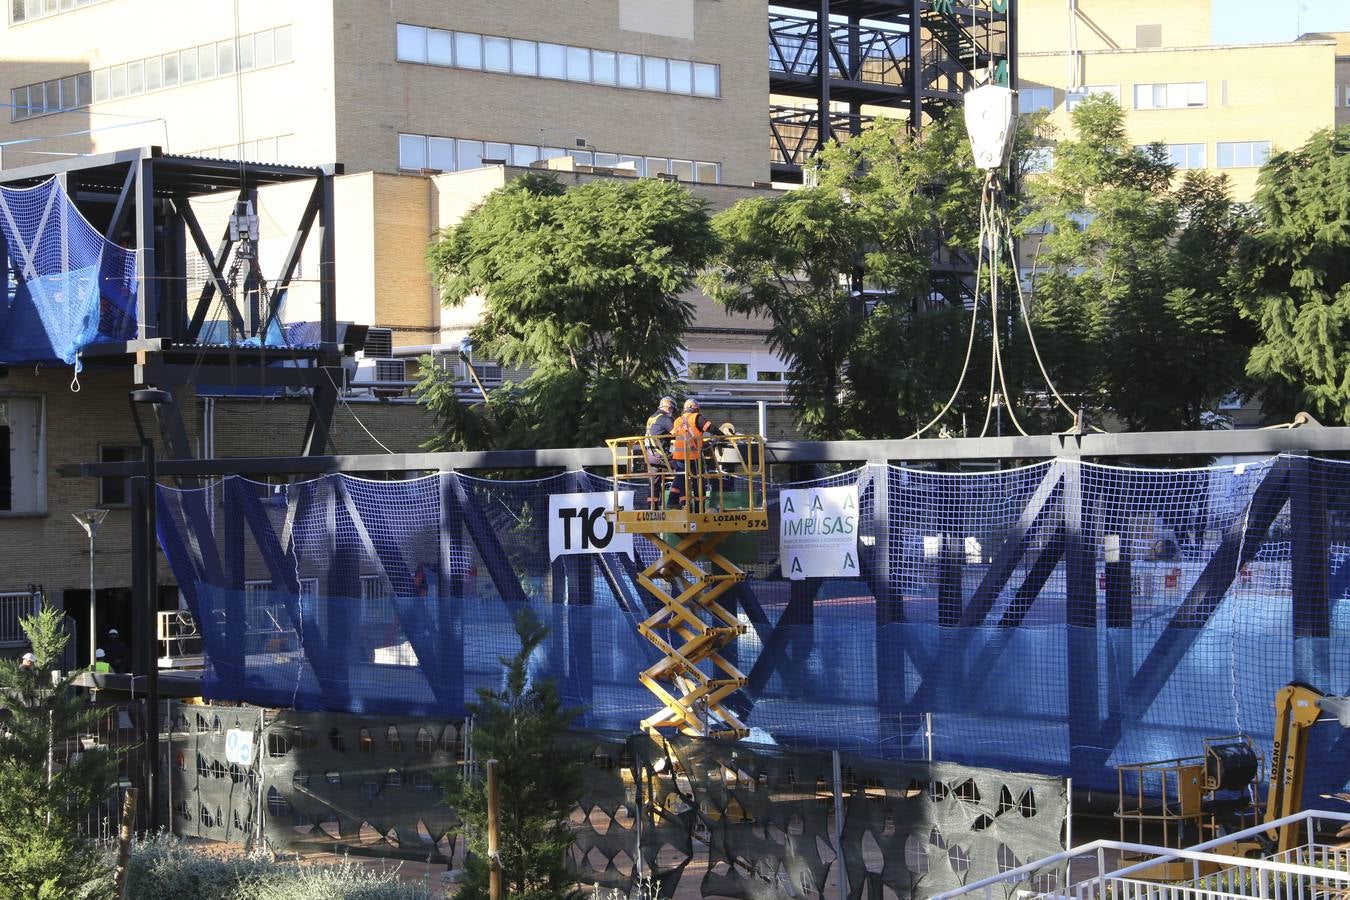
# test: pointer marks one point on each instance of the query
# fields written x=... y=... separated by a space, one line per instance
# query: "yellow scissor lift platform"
x=724 y=494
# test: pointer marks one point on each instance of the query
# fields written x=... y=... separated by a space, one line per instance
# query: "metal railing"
x=1309 y=870
x=178 y=635
x=13 y=607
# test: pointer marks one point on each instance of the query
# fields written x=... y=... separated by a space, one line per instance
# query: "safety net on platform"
x=1062 y=617
x=69 y=286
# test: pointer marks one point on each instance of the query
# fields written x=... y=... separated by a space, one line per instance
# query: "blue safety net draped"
x=1063 y=617
x=69 y=287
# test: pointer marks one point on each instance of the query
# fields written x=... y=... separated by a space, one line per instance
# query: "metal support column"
x=1310 y=562
x=823 y=133
x=327 y=265
x=915 y=64
x=1081 y=617
x=147 y=285
x=150 y=560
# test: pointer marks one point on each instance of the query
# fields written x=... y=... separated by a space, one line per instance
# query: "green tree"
x=582 y=287
x=1132 y=306
x=861 y=363
x=41 y=852
x=538 y=781
x=1294 y=280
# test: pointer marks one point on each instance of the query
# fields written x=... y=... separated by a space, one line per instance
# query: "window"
x=719 y=371
x=441 y=154
x=496 y=54
x=578 y=64
x=605 y=69
x=707 y=173
x=281 y=40
x=225 y=57
x=523 y=155
x=206 y=61
x=245 y=53
x=169 y=64
x=768 y=376
x=18 y=104
x=26 y=10
x=118 y=78
x=681 y=77
x=499 y=152
x=1176 y=95
x=153 y=74
x=1035 y=99
x=1040 y=160
x=553 y=60
x=1243 y=154
x=470 y=154
x=116 y=491
x=468 y=50
x=23 y=451
x=630 y=70
x=412 y=151
x=706 y=80
x=1186 y=156
x=411 y=43
x=264 y=49
x=187 y=66
x=440 y=47
x=523 y=59
x=375 y=596
x=1072 y=99
x=653 y=73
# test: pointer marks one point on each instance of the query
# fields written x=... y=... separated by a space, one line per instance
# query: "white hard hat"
x=99 y=654
x=29 y=657
x=112 y=632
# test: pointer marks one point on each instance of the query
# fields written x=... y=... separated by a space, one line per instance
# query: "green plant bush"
x=168 y=868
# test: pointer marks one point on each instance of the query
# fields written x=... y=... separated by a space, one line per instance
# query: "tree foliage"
x=861 y=364
x=41 y=852
x=538 y=782
x=582 y=287
x=1133 y=307
x=1295 y=279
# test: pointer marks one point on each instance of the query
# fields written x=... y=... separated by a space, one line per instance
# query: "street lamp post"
x=89 y=520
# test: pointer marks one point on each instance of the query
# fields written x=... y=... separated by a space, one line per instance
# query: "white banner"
x=818 y=532
x=577 y=524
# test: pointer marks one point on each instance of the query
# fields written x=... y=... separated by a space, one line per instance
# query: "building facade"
x=1222 y=108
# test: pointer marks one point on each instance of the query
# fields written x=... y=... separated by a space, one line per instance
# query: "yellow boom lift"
x=1186 y=811
x=724 y=495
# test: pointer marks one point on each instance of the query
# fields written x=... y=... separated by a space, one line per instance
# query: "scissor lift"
x=723 y=496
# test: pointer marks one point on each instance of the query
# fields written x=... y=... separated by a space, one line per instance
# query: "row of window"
x=280 y=148
x=1169 y=95
x=730 y=371
x=1228 y=155
x=420 y=151
x=463 y=50
x=254 y=51
x=27 y=10
x=1342 y=95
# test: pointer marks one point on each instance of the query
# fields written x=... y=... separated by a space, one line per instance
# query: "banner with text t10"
x=818 y=532
x=577 y=524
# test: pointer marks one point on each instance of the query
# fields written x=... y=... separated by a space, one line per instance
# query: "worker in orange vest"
x=687 y=447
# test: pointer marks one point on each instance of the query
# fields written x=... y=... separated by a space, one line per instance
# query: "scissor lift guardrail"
x=723 y=493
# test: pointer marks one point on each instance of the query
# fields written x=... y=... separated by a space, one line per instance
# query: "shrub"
x=168 y=868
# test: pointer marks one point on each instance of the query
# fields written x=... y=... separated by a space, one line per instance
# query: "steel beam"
x=216 y=283
x=126 y=199
x=147 y=285
x=292 y=260
x=1308 y=439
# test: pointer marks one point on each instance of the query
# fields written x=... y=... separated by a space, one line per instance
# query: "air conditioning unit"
x=390 y=370
x=380 y=343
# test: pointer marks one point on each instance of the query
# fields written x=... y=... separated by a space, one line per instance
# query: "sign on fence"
x=239 y=747
x=818 y=532
x=577 y=524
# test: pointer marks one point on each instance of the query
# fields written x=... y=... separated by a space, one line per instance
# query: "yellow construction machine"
x=722 y=495
x=1187 y=806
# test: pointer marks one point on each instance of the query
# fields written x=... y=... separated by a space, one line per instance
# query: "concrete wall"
x=379 y=97
x=293 y=101
x=1265 y=92
x=1044 y=25
x=50 y=548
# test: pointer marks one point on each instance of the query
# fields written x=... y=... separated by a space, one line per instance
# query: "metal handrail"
x=1164 y=854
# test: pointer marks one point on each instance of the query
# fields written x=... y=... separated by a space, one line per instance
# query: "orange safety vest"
x=688 y=442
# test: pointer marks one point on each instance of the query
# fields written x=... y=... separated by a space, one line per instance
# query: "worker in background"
x=687 y=448
x=656 y=444
x=100 y=662
x=118 y=653
x=28 y=662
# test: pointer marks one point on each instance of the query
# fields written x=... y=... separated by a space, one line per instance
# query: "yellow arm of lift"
x=1297 y=708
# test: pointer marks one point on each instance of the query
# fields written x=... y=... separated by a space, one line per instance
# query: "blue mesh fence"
x=1063 y=617
x=69 y=286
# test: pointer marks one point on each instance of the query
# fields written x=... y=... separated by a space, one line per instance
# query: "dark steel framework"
x=911 y=58
x=141 y=199
x=1295 y=480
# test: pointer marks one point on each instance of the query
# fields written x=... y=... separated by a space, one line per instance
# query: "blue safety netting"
x=69 y=287
x=1062 y=617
